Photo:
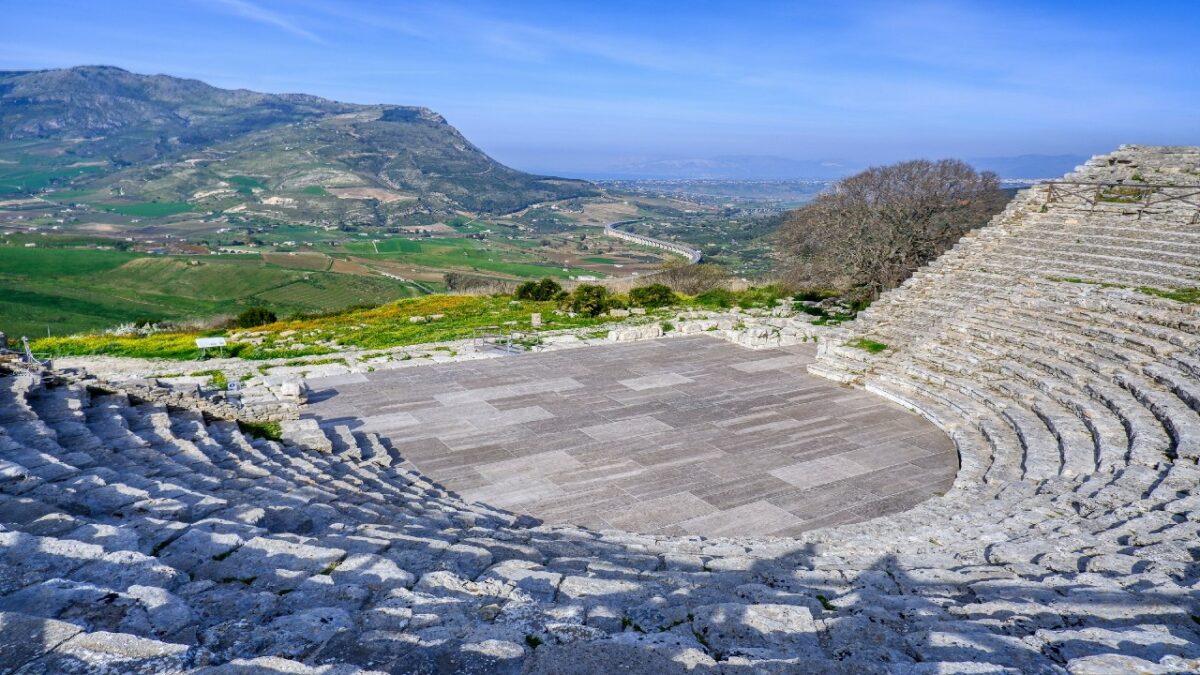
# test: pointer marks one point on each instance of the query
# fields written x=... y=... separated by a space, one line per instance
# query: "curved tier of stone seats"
x=153 y=536
x=1073 y=395
x=154 y=539
x=140 y=538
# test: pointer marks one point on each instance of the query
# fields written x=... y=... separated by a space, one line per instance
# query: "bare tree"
x=691 y=279
x=873 y=230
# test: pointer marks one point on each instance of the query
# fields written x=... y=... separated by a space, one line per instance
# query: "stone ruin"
x=141 y=537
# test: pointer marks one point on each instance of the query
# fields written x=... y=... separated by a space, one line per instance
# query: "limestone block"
x=161 y=614
x=113 y=653
x=320 y=590
x=634 y=333
x=271 y=665
x=465 y=560
x=630 y=654
x=765 y=630
x=121 y=570
x=373 y=572
x=533 y=579
x=965 y=645
x=111 y=537
x=1106 y=664
x=28 y=560
x=393 y=614
x=275 y=562
x=293 y=391
x=198 y=546
x=302 y=633
x=26 y=638
x=306 y=433
x=583 y=588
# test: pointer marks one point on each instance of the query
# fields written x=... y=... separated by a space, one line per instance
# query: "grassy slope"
x=74 y=290
x=377 y=328
x=385 y=326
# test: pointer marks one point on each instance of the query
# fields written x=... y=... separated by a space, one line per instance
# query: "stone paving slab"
x=655 y=381
x=686 y=435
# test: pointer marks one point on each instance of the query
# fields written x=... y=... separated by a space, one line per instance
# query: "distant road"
x=693 y=255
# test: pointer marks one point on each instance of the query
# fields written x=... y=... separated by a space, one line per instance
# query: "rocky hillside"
x=166 y=139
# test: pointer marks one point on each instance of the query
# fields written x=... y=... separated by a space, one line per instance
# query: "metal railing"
x=1140 y=195
x=25 y=360
x=513 y=341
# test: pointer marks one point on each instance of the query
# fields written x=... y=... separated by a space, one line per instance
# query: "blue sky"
x=581 y=87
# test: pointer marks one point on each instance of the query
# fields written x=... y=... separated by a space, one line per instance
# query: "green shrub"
x=219 y=380
x=867 y=344
x=654 y=295
x=541 y=291
x=1186 y=295
x=762 y=296
x=812 y=295
x=255 y=316
x=717 y=298
x=589 y=300
x=270 y=431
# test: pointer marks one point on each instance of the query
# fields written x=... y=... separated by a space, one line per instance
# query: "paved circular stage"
x=687 y=435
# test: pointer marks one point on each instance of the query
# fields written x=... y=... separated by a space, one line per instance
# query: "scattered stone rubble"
x=141 y=537
x=270 y=399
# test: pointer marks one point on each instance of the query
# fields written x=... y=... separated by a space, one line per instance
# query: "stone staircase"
x=136 y=537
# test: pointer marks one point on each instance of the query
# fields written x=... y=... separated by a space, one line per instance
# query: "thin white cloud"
x=253 y=12
x=386 y=20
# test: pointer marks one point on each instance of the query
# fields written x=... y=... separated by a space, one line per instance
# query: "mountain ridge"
x=151 y=130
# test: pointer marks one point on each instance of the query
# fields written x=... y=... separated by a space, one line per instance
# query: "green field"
x=68 y=195
x=394 y=246
x=72 y=290
x=149 y=209
x=18 y=179
x=59 y=262
x=69 y=283
x=245 y=185
x=461 y=254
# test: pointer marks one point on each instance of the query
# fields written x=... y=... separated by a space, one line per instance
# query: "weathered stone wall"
x=258 y=404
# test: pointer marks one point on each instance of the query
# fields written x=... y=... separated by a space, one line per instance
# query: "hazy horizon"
x=586 y=91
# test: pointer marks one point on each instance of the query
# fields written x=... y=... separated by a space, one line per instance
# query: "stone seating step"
x=1148 y=439
x=1036 y=458
x=1075 y=442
